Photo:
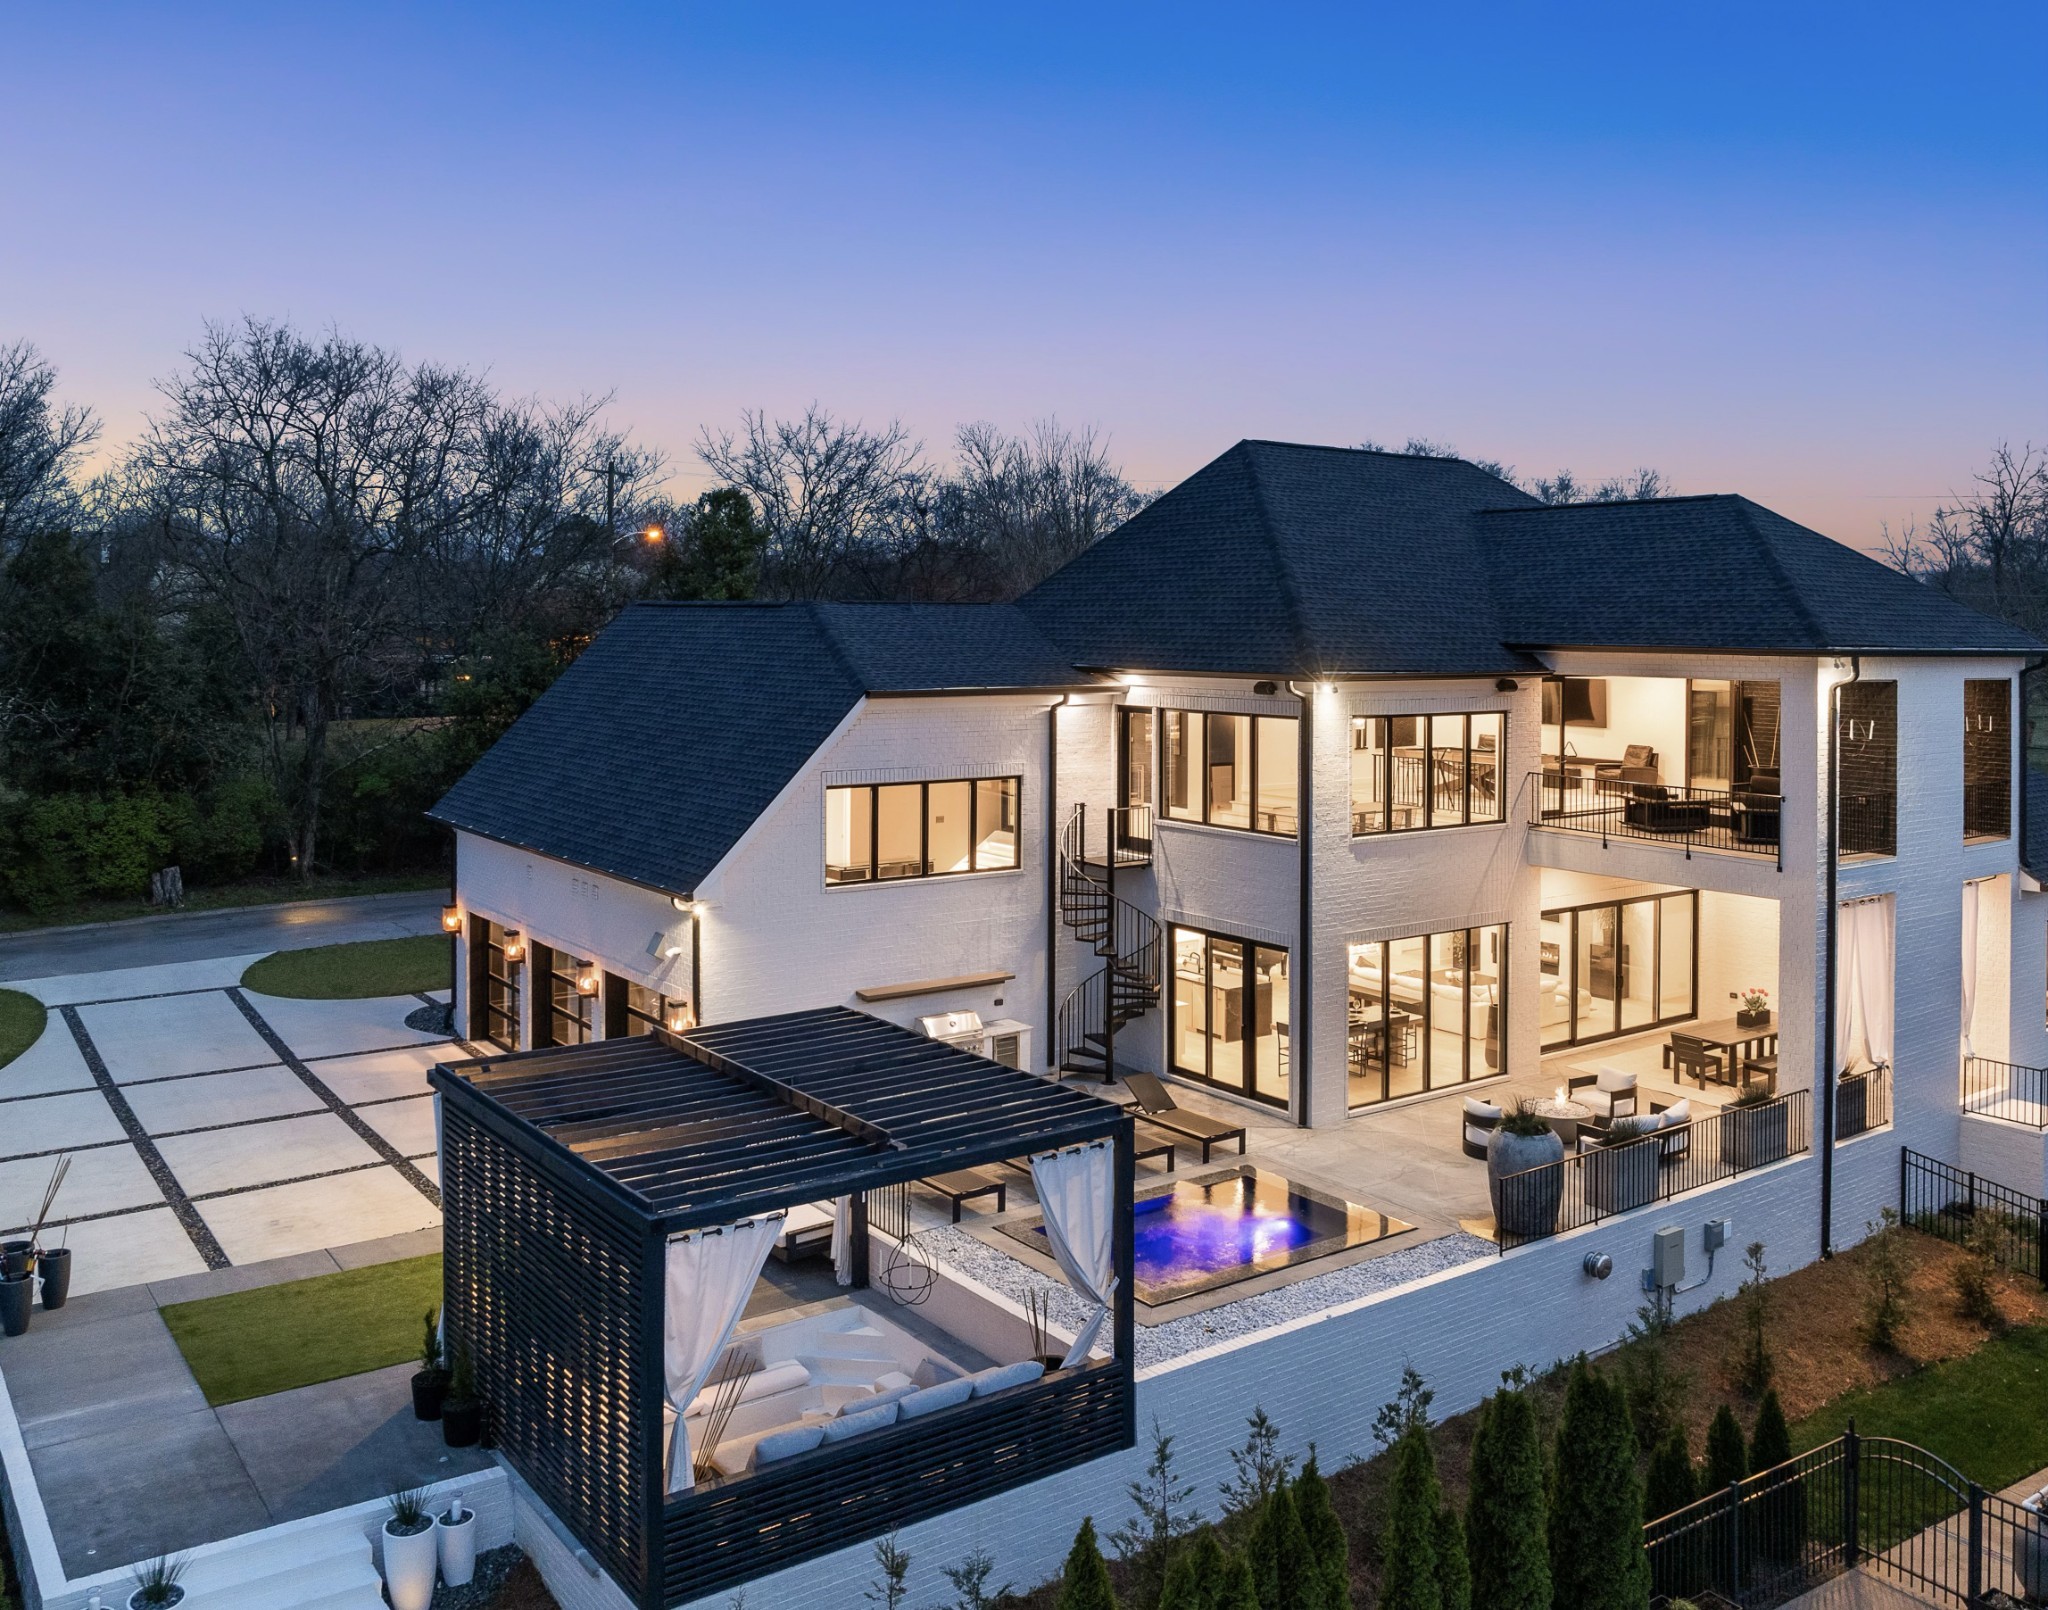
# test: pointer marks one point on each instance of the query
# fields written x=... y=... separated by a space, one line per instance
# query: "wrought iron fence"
x=1874 y=1504
x=1956 y=1205
x=1863 y=1102
x=2006 y=1090
x=1663 y=813
x=1605 y=1179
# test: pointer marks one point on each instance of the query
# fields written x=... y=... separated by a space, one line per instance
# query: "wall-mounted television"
x=1578 y=701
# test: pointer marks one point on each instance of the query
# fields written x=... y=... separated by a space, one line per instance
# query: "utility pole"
x=611 y=526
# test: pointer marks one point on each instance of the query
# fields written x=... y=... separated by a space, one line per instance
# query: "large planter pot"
x=17 y=1300
x=462 y=1424
x=2030 y=1548
x=1528 y=1206
x=16 y=1257
x=53 y=1267
x=1756 y=1135
x=457 y=1539
x=1623 y=1176
x=429 y=1388
x=409 y=1566
x=1852 y=1105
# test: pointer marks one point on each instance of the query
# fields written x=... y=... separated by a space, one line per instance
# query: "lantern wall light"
x=451 y=919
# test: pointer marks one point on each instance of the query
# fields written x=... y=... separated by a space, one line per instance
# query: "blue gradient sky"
x=1790 y=250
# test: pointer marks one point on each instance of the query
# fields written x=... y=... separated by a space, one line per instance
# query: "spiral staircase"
x=1128 y=940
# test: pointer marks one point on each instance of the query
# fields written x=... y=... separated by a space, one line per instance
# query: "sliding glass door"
x=1618 y=966
x=1230 y=1014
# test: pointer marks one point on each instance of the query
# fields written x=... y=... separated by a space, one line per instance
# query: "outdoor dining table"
x=1735 y=1041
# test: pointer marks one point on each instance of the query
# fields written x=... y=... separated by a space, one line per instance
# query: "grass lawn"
x=1986 y=1414
x=21 y=1023
x=356 y=972
x=224 y=897
x=249 y=1344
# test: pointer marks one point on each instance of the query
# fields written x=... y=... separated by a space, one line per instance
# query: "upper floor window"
x=875 y=832
x=1411 y=772
x=1867 y=792
x=1229 y=770
x=1987 y=759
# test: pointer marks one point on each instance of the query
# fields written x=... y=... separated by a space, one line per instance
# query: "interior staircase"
x=1128 y=940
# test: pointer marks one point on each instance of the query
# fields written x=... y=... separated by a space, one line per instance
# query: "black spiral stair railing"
x=1127 y=984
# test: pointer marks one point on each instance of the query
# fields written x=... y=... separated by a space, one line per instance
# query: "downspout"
x=1830 y=923
x=1304 y=967
x=1052 y=876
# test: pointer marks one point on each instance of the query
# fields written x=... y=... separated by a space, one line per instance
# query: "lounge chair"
x=1675 y=1121
x=1159 y=1107
x=1610 y=1093
x=1476 y=1128
x=963 y=1185
x=806 y=1231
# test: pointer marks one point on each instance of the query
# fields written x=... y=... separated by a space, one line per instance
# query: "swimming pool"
x=1214 y=1229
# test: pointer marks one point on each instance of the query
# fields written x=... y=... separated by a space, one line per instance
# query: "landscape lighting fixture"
x=515 y=947
x=451 y=919
x=586 y=983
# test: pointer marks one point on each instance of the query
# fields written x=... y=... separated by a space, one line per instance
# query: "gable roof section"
x=1279 y=559
x=652 y=754
x=1715 y=573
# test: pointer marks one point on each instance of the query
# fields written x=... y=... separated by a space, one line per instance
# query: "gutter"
x=1302 y=1028
x=1831 y=923
x=1052 y=875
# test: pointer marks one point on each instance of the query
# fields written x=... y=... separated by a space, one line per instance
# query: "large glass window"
x=495 y=970
x=1137 y=757
x=569 y=990
x=1426 y=1012
x=1618 y=966
x=880 y=832
x=1230 y=1014
x=1987 y=759
x=633 y=1008
x=1411 y=772
x=1229 y=770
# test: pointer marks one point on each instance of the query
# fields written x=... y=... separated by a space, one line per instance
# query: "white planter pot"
x=135 y=1599
x=409 y=1564
x=458 y=1548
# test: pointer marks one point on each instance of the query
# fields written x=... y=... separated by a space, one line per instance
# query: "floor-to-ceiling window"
x=495 y=967
x=568 y=991
x=1410 y=772
x=633 y=1008
x=1426 y=1012
x=1229 y=1016
x=1617 y=966
x=1987 y=759
x=1135 y=745
x=1229 y=770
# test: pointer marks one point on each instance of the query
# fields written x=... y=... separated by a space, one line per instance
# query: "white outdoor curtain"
x=711 y=1273
x=842 y=1240
x=1863 y=991
x=1970 y=891
x=1077 y=1190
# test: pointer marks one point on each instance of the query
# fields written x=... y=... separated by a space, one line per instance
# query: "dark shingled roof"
x=1283 y=560
x=1713 y=573
x=651 y=755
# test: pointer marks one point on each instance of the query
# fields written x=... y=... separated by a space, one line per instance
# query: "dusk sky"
x=1789 y=250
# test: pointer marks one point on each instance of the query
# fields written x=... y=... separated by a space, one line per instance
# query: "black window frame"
x=1429 y=823
x=622 y=1017
x=1568 y=967
x=924 y=829
x=495 y=985
x=1247 y=1086
x=1987 y=758
x=554 y=1023
x=1425 y=1040
x=1250 y=764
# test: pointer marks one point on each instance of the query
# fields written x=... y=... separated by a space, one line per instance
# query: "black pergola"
x=565 y=1172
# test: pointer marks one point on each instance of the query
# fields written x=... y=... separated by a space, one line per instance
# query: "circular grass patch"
x=356 y=972
x=21 y=1023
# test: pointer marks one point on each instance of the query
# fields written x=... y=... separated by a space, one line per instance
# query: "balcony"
x=1574 y=800
x=2006 y=1090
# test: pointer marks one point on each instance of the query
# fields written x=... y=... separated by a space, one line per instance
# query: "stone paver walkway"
x=208 y=1126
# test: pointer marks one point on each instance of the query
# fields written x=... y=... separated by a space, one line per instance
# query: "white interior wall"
x=1738 y=948
x=1991 y=1034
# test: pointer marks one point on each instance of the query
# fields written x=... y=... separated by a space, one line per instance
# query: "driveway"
x=199 y=936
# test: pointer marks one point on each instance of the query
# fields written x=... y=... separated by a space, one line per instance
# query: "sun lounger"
x=1161 y=1112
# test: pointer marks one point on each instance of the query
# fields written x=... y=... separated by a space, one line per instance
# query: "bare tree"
x=1638 y=486
x=40 y=446
x=1988 y=546
x=1032 y=503
x=827 y=491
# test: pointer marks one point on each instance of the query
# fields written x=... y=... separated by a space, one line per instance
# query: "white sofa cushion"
x=1614 y=1081
x=1006 y=1375
x=786 y=1442
x=1475 y=1108
x=942 y=1396
x=869 y=1419
x=775 y=1378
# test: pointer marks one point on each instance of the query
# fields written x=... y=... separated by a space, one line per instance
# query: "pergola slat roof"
x=742 y=1117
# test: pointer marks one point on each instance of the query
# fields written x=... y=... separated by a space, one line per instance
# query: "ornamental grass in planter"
x=1755 y=1129
x=1621 y=1173
x=412 y=1555
x=1526 y=1151
x=156 y=1583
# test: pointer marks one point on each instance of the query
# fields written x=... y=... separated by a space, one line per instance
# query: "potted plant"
x=410 y=1553
x=17 y=1297
x=2030 y=1547
x=455 y=1531
x=1622 y=1172
x=1526 y=1151
x=156 y=1583
x=52 y=1263
x=17 y=1257
x=430 y=1380
x=1754 y=1129
x=462 y=1417
x=1852 y=1103
x=1038 y=1316
x=1755 y=1009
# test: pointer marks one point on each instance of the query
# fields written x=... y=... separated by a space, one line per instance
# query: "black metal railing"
x=1960 y=1206
x=1585 y=1187
x=1863 y=1102
x=1577 y=801
x=1987 y=808
x=1868 y=824
x=1130 y=941
x=2006 y=1090
x=1872 y=1504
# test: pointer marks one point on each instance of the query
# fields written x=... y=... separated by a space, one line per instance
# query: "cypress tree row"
x=1329 y=1550
x=1727 y=1459
x=1670 y=1484
x=1195 y=1579
x=1453 y=1571
x=1238 y=1593
x=1085 y=1584
x=1596 y=1516
x=1278 y=1552
x=1771 y=1443
x=1409 y=1577
x=1506 y=1526
x=1783 y=1518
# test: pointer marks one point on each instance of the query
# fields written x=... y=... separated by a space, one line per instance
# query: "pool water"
x=1218 y=1228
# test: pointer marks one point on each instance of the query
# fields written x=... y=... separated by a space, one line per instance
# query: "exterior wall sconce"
x=683 y=904
x=586 y=983
x=681 y=1019
x=451 y=919
x=1506 y=684
x=515 y=947
x=1265 y=687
